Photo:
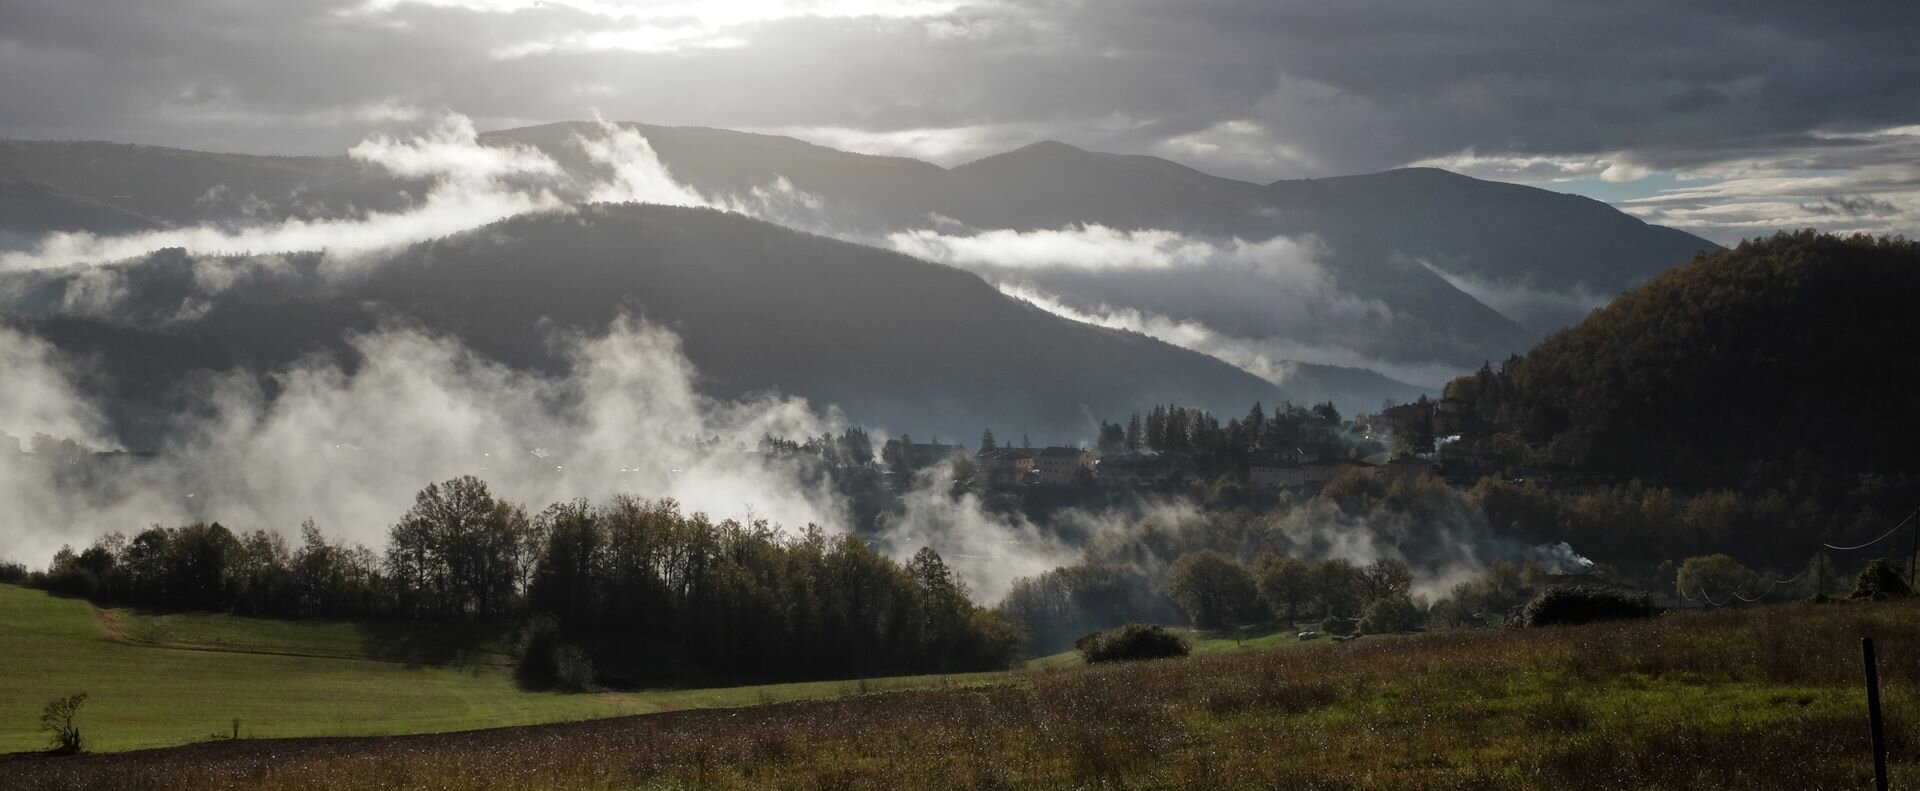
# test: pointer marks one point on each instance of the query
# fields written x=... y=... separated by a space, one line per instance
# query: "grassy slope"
x=284 y=678
x=484 y=644
x=1759 y=699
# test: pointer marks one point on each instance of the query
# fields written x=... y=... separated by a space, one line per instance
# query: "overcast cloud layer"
x=1729 y=119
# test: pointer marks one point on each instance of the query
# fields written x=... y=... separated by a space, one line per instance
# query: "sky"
x=1729 y=119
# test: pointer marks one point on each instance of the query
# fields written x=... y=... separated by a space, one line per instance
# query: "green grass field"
x=162 y=679
x=172 y=679
x=411 y=642
x=1764 y=699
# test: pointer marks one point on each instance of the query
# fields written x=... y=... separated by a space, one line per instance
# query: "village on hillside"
x=1293 y=450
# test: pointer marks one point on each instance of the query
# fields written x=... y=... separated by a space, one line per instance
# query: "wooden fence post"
x=1873 y=714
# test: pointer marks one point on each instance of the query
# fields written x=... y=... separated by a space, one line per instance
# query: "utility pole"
x=1914 y=554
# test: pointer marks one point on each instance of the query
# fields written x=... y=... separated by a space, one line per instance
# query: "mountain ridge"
x=899 y=343
x=1444 y=275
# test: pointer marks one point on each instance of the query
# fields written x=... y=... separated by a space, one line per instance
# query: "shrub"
x=1130 y=642
x=1880 y=581
x=1391 y=614
x=546 y=663
x=1337 y=626
x=1564 y=605
x=573 y=669
x=57 y=719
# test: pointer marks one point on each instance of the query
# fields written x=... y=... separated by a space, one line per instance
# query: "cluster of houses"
x=1053 y=466
x=1315 y=452
x=1462 y=452
x=1300 y=475
x=1307 y=467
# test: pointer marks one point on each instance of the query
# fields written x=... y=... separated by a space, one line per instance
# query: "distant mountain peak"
x=1044 y=150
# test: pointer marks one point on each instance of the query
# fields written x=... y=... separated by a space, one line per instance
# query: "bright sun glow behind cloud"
x=672 y=25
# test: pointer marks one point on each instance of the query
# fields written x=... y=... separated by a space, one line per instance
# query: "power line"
x=1883 y=536
x=1803 y=572
x=1703 y=595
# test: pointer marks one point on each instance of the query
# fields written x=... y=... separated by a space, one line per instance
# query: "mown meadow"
x=1765 y=698
x=156 y=680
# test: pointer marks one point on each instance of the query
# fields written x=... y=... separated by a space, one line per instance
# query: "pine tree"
x=986 y=441
x=1133 y=432
x=1256 y=427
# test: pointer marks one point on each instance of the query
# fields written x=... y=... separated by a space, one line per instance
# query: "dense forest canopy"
x=1782 y=356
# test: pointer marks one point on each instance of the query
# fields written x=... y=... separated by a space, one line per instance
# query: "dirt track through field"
x=111 y=627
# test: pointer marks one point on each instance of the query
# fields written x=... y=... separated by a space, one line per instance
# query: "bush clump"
x=1880 y=581
x=1130 y=642
x=1566 y=605
x=1338 y=626
x=1389 y=614
x=546 y=663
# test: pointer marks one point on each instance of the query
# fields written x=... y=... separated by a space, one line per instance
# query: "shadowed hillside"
x=897 y=342
x=1445 y=271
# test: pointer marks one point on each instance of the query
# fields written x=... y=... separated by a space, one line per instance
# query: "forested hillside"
x=1783 y=357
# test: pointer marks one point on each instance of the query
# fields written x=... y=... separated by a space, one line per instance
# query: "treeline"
x=1648 y=528
x=1220 y=568
x=1172 y=428
x=637 y=583
x=1212 y=590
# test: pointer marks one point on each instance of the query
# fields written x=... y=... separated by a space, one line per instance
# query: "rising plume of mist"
x=349 y=447
x=1443 y=540
x=1443 y=547
x=988 y=549
x=39 y=396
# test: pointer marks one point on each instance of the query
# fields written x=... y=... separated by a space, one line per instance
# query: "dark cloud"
x=1251 y=88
